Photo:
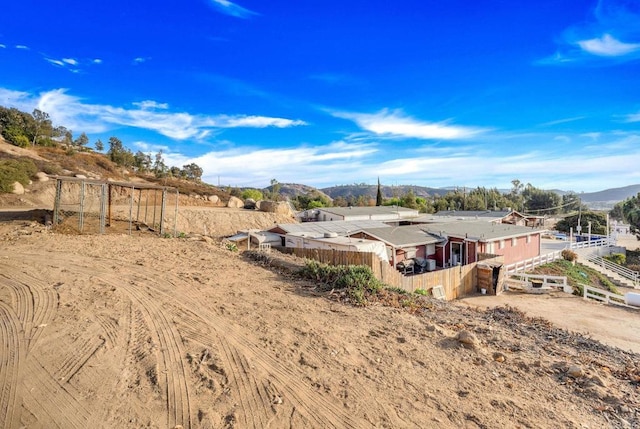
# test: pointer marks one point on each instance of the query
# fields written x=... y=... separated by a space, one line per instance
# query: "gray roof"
x=366 y=211
x=340 y=227
x=479 y=230
x=473 y=214
x=403 y=236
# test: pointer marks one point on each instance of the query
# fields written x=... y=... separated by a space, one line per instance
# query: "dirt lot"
x=147 y=332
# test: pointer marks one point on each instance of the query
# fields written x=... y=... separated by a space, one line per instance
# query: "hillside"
x=357 y=190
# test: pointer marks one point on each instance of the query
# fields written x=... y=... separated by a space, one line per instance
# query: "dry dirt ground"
x=147 y=332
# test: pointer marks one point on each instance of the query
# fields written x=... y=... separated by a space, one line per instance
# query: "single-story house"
x=464 y=241
x=380 y=213
x=404 y=243
x=335 y=242
x=319 y=229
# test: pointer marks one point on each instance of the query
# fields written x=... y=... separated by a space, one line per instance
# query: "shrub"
x=617 y=258
x=357 y=281
x=569 y=255
x=254 y=194
x=421 y=292
x=12 y=170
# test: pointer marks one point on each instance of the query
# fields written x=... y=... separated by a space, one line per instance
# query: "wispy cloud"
x=76 y=114
x=396 y=124
x=611 y=33
x=2 y=46
x=96 y=61
x=634 y=117
x=608 y=46
x=606 y=165
x=23 y=47
x=231 y=9
x=140 y=60
x=561 y=121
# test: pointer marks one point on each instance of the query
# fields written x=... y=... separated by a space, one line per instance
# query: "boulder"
x=235 y=202
x=18 y=189
x=279 y=207
x=250 y=204
x=42 y=176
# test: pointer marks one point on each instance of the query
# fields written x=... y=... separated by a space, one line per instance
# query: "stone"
x=467 y=339
x=18 y=189
x=499 y=357
x=213 y=198
x=235 y=202
x=575 y=371
x=42 y=176
x=80 y=176
x=250 y=203
x=280 y=207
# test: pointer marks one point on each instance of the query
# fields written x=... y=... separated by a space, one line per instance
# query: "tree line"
x=24 y=129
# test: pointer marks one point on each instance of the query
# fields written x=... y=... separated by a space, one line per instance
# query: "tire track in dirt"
x=154 y=295
x=34 y=302
x=78 y=357
x=42 y=394
x=172 y=362
x=256 y=402
x=10 y=361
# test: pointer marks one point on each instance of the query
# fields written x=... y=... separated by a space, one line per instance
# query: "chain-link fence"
x=84 y=206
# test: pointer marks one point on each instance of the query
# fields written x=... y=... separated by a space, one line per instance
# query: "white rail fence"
x=607 y=297
x=531 y=263
x=539 y=281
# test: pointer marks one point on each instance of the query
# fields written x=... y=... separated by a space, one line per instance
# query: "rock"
x=575 y=371
x=467 y=339
x=18 y=189
x=250 y=203
x=235 y=202
x=42 y=176
x=213 y=198
x=279 y=207
x=499 y=357
x=80 y=176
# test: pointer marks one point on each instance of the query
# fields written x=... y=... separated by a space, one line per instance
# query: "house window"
x=501 y=244
x=514 y=241
x=489 y=247
x=528 y=239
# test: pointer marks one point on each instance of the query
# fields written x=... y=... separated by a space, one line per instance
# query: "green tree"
x=254 y=194
x=275 y=190
x=598 y=223
x=81 y=141
x=99 y=145
x=192 y=172
x=159 y=167
x=379 y=199
x=42 y=125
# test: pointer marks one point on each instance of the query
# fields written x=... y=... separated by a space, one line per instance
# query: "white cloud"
x=70 y=61
x=24 y=47
x=55 y=62
x=97 y=61
x=634 y=117
x=396 y=124
x=75 y=114
x=608 y=46
x=231 y=9
x=150 y=104
x=260 y=122
x=140 y=60
x=2 y=46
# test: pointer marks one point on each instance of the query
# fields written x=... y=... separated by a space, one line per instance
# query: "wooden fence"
x=457 y=281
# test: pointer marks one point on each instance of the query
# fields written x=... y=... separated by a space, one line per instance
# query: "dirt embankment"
x=142 y=331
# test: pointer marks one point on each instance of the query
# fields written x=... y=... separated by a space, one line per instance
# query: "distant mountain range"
x=601 y=200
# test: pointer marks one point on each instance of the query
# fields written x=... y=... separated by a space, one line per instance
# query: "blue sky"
x=431 y=93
